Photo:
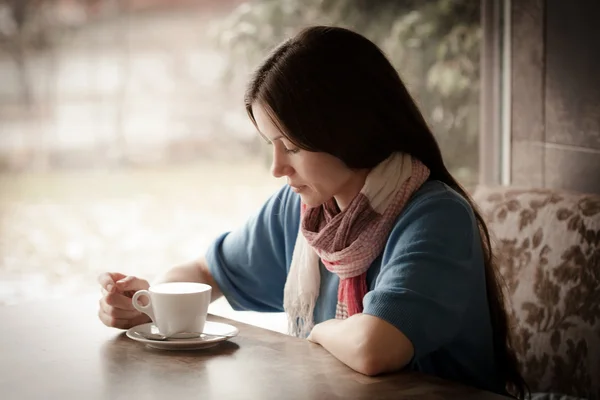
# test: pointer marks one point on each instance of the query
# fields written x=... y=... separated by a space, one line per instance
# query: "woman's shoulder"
x=436 y=219
x=284 y=205
x=286 y=200
x=436 y=206
x=436 y=193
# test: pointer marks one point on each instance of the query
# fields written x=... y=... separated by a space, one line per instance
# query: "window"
x=124 y=142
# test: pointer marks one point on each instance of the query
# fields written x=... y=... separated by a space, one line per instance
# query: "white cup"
x=175 y=307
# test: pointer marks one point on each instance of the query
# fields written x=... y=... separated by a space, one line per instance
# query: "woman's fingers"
x=122 y=323
x=119 y=301
x=113 y=322
x=115 y=312
x=107 y=279
x=116 y=309
x=131 y=283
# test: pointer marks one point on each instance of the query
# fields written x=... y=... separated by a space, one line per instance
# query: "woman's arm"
x=250 y=263
x=365 y=343
x=430 y=270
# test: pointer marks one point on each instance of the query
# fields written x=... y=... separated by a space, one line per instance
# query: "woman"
x=373 y=249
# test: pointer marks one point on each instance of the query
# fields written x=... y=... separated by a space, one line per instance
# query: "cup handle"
x=147 y=309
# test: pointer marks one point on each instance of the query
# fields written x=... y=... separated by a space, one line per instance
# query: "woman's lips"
x=297 y=189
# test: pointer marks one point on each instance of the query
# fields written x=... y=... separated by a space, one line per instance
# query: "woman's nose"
x=280 y=167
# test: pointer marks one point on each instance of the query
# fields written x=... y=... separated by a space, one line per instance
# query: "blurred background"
x=124 y=143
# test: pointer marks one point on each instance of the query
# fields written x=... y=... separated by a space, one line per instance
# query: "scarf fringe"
x=301 y=324
x=302 y=288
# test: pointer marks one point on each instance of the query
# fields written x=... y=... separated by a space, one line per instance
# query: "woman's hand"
x=116 y=309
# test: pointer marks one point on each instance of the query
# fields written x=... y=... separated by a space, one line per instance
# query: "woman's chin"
x=311 y=200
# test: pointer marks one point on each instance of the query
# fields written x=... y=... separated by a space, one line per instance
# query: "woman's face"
x=315 y=176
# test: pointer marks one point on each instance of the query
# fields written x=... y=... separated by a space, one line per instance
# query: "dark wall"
x=556 y=94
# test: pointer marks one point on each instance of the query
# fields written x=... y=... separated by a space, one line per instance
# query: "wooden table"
x=60 y=350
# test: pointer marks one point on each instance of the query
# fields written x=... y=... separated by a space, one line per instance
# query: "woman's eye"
x=291 y=151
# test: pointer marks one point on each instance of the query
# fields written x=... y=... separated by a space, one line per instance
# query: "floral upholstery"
x=547 y=246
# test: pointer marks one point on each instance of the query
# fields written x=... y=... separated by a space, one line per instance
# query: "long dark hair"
x=332 y=90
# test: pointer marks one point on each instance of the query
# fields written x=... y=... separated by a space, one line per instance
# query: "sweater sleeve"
x=250 y=264
x=428 y=270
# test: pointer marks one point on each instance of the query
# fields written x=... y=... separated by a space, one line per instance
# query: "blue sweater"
x=429 y=281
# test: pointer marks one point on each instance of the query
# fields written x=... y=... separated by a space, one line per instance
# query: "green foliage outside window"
x=434 y=45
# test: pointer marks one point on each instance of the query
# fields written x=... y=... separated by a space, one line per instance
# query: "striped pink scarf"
x=349 y=241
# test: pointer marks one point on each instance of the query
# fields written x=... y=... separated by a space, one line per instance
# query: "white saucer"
x=203 y=342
